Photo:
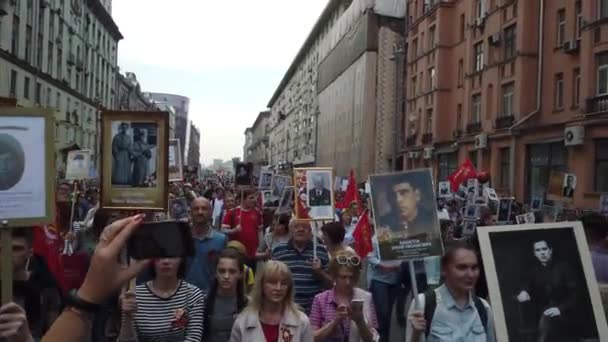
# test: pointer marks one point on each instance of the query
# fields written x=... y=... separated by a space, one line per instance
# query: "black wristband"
x=73 y=300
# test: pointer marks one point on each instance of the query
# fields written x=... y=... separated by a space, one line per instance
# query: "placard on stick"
x=26 y=163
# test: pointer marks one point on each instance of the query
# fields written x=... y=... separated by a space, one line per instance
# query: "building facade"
x=257 y=140
x=181 y=104
x=60 y=55
x=518 y=87
x=194 y=146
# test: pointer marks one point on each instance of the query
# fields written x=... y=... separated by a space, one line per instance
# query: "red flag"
x=302 y=211
x=352 y=194
x=363 y=236
x=464 y=172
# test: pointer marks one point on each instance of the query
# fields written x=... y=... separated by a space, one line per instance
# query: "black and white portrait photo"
x=405 y=215
x=471 y=211
x=469 y=227
x=536 y=203
x=267 y=200
x=541 y=283
x=78 y=165
x=444 y=190
x=491 y=194
x=279 y=183
x=569 y=185
x=286 y=201
x=265 y=180
x=243 y=173
x=504 y=210
x=317 y=185
x=175 y=161
x=133 y=154
x=178 y=208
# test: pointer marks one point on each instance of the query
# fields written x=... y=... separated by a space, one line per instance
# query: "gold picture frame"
x=7 y=116
x=318 y=211
x=122 y=186
x=176 y=173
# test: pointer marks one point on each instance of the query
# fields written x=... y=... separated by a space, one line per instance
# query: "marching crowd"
x=255 y=276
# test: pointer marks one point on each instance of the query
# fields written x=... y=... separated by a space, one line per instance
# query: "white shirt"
x=217 y=210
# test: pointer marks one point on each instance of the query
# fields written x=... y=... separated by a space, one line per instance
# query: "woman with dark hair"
x=226 y=297
x=452 y=312
x=279 y=233
x=165 y=308
x=333 y=238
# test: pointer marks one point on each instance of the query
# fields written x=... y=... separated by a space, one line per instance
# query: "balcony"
x=474 y=128
x=411 y=140
x=596 y=105
x=504 y=121
x=427 y=138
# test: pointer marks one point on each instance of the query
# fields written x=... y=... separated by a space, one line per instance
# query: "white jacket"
x=247 y=328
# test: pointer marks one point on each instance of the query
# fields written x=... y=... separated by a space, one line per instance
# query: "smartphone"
x=163 y=239
x=356 y=304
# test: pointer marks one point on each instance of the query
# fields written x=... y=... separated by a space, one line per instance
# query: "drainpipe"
x=539 y=89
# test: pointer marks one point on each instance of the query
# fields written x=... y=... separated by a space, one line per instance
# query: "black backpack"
x=430 y=304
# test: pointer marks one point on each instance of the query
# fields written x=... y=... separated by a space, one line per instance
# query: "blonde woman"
x=272 y=315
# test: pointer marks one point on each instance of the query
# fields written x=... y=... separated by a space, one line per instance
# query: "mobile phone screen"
x=165 y=239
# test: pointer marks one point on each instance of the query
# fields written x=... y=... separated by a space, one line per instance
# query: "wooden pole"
x=7 y=262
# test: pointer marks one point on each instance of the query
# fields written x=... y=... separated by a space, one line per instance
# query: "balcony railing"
x=504 y=121
x=411 y=140
x=427 y=138
x=474 y=127
x=598 y=104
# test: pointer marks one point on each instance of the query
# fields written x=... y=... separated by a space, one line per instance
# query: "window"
x=432 y=41
x=460 y=73
x=429 y=121
x=559 y=91
x=15 y=35
x=49 y=61
x=38 y=93
x=473 y=157
x=478 y=57
x=506 y=105
x=505 y=167
x=602 y=73
x=476 y=109
x=601 y=165
x=448 y=163
x=59 y=68
x=603 y=8
x=432 y=79
x=58 y=101
x=579 y=18
x=542 y=159
x=13 y=83
x=462 y=26
x=479 y=8
x=576 y=86
x=510 y=41
x=48 y=97
x=561 y=27
x=414 y=89
x=28 y=43
x=26 y=87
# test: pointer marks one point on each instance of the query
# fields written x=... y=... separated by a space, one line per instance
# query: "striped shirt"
x=306 y=284
x=178 y=318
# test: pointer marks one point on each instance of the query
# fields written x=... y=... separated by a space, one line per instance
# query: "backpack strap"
x=482 y=311
x=430 y=304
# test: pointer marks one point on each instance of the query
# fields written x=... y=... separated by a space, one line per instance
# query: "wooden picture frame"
x=319 y=208
x=13 y=119
x=176 y=172
x=513 y=254
x=122 y=187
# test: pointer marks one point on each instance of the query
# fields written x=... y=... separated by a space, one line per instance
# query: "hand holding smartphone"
x=164 y=239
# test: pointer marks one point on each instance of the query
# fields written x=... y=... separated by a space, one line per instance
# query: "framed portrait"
x=491 y=194
x=134 y=160
x=444 y=190
x=405 y=215
x=469 y=227
x=27 y=166
x=266 y=197
x=504 y=210
x=313 y=187
x=279 y=182
x=542 y=283
x=569 y=185
x=179 y=209
x=286 y=202
x=175 y=161
x=78 y=165
x=265 y=182
x=472 y=211
x=243 y=173
x=537 y=203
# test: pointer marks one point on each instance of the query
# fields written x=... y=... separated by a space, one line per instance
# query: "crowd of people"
x=255 y=276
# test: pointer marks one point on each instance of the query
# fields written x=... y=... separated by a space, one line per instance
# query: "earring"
x=27 y=263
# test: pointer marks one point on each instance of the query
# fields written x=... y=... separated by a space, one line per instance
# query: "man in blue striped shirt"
x=309 y=274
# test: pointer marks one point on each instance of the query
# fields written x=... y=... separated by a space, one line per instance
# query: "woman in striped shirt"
x=164 y=309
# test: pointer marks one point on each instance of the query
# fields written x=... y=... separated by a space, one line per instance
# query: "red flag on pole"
x=464 y=172
x=363 y=236
x=352 y=194
x=302 y=211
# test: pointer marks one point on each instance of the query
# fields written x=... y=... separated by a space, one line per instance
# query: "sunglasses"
x=353 y=260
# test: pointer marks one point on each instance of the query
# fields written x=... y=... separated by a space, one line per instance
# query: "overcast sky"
x=227 y=56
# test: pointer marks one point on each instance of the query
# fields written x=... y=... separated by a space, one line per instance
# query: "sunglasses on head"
x=353 y=260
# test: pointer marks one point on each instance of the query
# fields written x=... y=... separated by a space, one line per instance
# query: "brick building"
x=519 y=87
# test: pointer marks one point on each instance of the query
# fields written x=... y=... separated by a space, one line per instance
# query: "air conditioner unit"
x=428 y=153
x=571 y=46
x=495 y=39
x=479 y=22
x=481 y=141
x=574 y=136
x=413 y=155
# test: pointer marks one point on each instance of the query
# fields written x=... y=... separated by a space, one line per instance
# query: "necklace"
x=163 y=294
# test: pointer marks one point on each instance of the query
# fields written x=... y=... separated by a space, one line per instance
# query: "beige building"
x=519 y=87
x=61 y=55
x=257 y=139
